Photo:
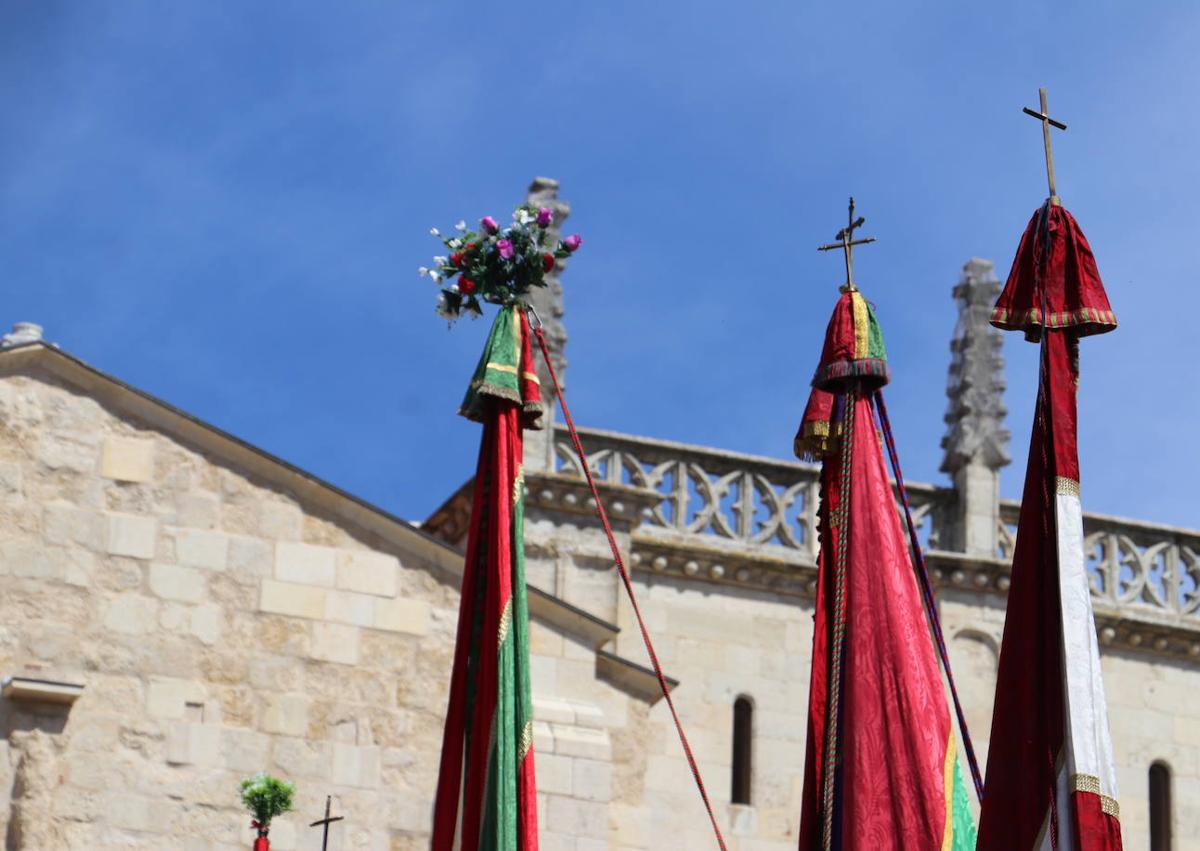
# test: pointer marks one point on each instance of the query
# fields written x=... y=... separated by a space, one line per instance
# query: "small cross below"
x=325 y=822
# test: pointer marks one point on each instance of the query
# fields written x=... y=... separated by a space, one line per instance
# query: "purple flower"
x=505 y=247
x=572 y=242
x=545 y=216
x=489 y=224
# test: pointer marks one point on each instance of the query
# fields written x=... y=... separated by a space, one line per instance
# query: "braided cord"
x=839 y=524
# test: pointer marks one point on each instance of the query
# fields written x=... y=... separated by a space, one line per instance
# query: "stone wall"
x=219 y=629
x=721 y=645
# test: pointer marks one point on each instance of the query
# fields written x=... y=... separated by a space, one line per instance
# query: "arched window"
x=1160 y=807
x=743 y=739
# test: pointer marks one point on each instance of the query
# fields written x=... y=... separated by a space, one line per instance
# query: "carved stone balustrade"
x=732 y=518
x=746 y=520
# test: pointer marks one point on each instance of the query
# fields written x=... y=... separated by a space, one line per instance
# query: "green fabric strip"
x=498 y=373
x=875 y=347
x=964 y=822
x=514 y=703
x=520 y=627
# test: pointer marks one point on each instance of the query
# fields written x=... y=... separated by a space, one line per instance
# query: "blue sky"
x=225 y=205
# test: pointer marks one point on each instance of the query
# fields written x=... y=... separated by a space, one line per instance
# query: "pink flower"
x=489 y=224
x=545 y=216
x=505 y=247
x=572 y=242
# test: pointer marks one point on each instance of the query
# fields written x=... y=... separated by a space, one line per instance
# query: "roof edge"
x=305 y=486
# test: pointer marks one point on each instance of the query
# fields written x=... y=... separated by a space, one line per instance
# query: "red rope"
x=628 y=582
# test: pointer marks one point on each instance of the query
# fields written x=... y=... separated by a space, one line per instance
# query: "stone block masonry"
x=220 y=627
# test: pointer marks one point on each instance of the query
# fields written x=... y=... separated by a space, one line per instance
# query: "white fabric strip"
x=1088 y=746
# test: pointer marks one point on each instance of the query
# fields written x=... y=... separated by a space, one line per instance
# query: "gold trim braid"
x=1091 y=785
x=862 y=324
x=505 y=622
x=526 y=740
x=1068 y=487
x=518 y=484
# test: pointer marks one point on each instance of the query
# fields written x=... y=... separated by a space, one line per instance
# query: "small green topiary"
x=266 y=797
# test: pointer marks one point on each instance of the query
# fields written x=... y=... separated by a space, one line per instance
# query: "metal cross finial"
x=326 y=822
x=846 y=243
x=1047 y=123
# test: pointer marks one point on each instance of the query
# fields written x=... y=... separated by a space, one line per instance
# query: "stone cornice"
x=693 y=557
x=1150 y=632
x=558 y=493
x=632 y=678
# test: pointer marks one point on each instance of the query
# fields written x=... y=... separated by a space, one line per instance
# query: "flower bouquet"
x=266 y=797
x=494 y=264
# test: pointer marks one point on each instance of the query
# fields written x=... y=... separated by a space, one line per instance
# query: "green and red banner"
x=486 y=794
x=881 y=771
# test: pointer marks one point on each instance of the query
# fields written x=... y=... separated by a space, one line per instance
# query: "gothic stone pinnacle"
x=975 y=414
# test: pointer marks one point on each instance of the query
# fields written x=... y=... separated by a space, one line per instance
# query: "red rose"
x=547 y=262
x=470 y=247
x=466 y=286
x=457 y=258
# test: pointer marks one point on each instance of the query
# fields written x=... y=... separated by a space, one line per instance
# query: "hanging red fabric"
x=486 y=793
x=1051 y=777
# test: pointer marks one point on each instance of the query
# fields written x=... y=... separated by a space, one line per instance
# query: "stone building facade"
x=179 y=609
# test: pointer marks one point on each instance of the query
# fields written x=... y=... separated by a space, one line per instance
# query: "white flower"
x=452 y=288
x=433 y=273
x=441 y=261
x=460 y=225
x=455 y=243
x=434 y=232
x=422 y=271
x=443 y=309
x=522 y=216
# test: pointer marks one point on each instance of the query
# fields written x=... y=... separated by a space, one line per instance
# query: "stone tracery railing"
x=1145 y=569
x=729 y=497
x=743 y=499
x=755 y=505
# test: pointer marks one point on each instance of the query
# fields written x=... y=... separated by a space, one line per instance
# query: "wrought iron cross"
x=1047 y=123
x=325 y=822
x=846 y=242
